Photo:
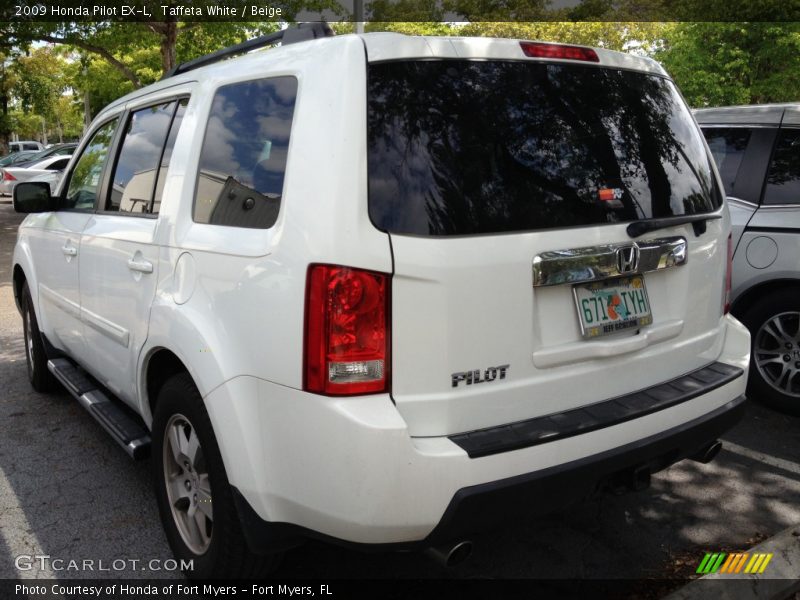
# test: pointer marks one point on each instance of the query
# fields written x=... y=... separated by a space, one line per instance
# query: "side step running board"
x=129 y=434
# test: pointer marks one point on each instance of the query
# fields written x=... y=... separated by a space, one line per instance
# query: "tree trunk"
x=87 y=111
x=169 y=39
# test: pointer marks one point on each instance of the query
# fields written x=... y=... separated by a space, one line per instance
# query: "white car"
x=383 y=290
x=49 y=170
x=24 y=145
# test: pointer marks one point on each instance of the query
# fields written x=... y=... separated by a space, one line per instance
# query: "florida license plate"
x=612 y=306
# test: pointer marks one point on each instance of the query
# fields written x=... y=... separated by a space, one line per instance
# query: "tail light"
x=543 y=50
x=8 y=176
x=347 y=331
x=726 y=298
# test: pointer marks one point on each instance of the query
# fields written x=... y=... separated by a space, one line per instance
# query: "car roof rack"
x=293 y=34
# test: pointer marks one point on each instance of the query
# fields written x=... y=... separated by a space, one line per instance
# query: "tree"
x=718 y=64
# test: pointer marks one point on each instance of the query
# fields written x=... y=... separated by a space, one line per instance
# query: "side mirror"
x=33 y=197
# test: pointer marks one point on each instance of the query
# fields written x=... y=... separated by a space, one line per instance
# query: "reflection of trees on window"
x=85 y=178
x=783 y=180
x=460 y=147
x=243 y=159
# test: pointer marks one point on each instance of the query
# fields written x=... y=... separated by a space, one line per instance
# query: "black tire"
x=227 y=554
x=39 y=375
x=768 y=383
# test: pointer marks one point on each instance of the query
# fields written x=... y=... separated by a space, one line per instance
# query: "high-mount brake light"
x=544 y=50
x=347 y=332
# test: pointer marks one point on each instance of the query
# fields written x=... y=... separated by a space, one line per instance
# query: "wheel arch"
x=159 y=365
x=18 y=280
x=751 y=295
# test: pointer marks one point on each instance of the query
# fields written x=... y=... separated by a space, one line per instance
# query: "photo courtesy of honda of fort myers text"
x=399 y=299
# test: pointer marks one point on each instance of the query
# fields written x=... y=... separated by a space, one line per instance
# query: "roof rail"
x=291 y=35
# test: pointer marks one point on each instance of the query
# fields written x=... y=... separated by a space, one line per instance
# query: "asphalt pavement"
x=68 y=491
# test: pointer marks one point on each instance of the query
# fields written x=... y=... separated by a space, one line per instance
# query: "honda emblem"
x=628 y=259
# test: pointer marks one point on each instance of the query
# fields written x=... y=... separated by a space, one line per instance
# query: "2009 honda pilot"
x=380 y=289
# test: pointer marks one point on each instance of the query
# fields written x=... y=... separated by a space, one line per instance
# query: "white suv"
x=383 y=290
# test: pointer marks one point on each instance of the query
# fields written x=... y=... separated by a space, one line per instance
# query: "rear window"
x=469 y=147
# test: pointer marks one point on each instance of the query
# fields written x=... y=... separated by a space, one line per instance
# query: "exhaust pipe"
x=707 y=454
x=450 y=555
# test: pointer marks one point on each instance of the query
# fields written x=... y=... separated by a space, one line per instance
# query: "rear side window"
x=58 y=165
x=468 y=147
x=727 y=146
x=243 y=159
x=783 y=178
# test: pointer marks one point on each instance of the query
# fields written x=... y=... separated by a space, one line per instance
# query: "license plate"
x=612 y=306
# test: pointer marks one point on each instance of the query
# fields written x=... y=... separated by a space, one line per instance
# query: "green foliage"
x=717 y=64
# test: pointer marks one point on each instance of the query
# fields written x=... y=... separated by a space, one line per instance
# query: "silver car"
x=757 y=151
x=49 y=170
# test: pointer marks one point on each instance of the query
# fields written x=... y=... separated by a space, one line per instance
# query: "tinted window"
x=135 y=173
x=165 y=159
x=243 y=159
x=783 y=179
x=30 y=147
x=85 y=178
x=58 y=164
x=466 y=147
x=727 y=147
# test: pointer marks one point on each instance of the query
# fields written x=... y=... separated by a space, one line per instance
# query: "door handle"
x=69 y=250
x=142 y=266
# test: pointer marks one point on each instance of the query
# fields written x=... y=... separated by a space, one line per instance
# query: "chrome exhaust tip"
x=707 y=454
x=450 y=555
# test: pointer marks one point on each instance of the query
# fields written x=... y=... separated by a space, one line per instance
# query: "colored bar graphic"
x=713 y=562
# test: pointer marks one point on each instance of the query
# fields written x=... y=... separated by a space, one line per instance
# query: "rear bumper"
x=346 y=469
x=479 y=507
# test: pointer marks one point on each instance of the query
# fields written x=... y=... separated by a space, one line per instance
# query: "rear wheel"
x=194 y=496
x=774 y=324
x=39 y=375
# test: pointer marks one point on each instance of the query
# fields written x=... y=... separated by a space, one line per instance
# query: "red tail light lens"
x=347 y=332
x=543 y=50
x=8 y=176
x=726 y=298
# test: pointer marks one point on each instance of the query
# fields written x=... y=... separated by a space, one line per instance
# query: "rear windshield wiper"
x=698 y=222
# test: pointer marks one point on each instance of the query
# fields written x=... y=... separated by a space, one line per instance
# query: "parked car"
x=49 y=170
x=17 y=157
x=24 y=145
x=384 y=290
x=54 y=150
x=757 y=150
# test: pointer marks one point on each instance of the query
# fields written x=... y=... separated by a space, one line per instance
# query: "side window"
x=136 y=170
x=162 y=171
x=243 y=158
x=57 y=165
x=30 y=147
x=783 y=177
x=85 y=177
x=727 y=147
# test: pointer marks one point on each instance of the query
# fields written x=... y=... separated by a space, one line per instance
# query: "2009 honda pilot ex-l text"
x=380 y=289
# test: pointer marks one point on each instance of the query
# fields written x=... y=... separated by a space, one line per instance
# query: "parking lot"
x=68 y=491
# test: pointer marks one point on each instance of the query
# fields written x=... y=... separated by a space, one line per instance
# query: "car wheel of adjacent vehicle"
x=195 y=499
x=774 y=324
x=39 y=375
